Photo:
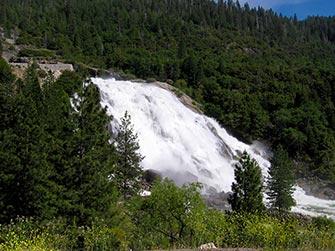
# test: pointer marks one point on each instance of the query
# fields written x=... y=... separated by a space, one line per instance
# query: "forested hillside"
x=68 y=183
x=262 y=75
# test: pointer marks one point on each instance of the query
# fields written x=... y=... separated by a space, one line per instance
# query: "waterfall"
x=184 y=145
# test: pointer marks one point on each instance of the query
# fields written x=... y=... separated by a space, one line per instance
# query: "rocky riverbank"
x=317 y=188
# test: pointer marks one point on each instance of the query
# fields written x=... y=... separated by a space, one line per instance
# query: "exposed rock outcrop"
x=317 y=188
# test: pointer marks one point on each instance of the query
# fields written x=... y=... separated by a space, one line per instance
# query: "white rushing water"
x=184 y=145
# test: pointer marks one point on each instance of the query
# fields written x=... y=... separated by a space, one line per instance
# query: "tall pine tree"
x=128 y=172
x=26 y=188
x=281 y=181
x=90 y=160
x=247 y=189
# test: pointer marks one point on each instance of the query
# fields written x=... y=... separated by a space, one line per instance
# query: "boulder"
x=207 y=246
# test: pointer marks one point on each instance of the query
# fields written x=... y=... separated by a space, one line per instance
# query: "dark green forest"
x=261 y=75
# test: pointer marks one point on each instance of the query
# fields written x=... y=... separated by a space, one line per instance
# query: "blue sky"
x=302 y=8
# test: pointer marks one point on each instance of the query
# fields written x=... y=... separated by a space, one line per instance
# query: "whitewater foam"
x=184 y=145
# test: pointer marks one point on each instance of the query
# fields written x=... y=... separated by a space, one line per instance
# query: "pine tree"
x=128 y=172
x=7 y=155
x=26 y=189
x=6 y=76
x=59 y=125
x=6 y=94
x=247 y=189
x=89 y=161
x=281 y=181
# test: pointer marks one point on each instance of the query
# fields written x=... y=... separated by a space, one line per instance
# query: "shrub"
x=30 y=234
x=170 y=217
x=151 y=80
x=36 y=53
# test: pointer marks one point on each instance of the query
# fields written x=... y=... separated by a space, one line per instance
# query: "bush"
x=6 y=76
x=324 y=223
x=36 y=53
x=181 y=84
x=30 y=234
x=127 y=76
x=153 y=228
x=42 y=74
x=27 y=234
x=174 y=217
x=170 y=217
x=151 y=80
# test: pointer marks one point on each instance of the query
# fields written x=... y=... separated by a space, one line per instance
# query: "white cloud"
x=271 y=3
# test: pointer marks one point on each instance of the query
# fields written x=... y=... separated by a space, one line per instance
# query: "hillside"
x=108 y=164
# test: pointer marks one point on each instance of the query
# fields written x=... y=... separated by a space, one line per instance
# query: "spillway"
x=184 y=145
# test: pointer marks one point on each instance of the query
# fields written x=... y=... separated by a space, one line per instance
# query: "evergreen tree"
x=128 y=172
x=6 y=76
x=281 y=181
x=6 y=95
x=247 y=189
x=59 y=127
x=6 y=122
x=89 y=160
x=26 y=189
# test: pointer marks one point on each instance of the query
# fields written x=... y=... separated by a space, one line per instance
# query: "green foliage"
x=281 y=181
x=269 y=232
x=128 y=172
x=89 y=160
x=169 y=217
x=6 y=76
x=175 y=217
x=36 y=53
x=69 y=82
x=56 y=158
x=24 y=172
x=247 y=189
x=324 y=223
x=202 y=225
x=29 y=234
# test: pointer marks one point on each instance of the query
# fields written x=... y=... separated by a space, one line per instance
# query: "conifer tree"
x=26 y=189
x=6 y=94
x=281 y=181
x=128 y=172
x=6 y=76
x=247 y=189
x=89 y=160
x=59 y=128
x=7 y=155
